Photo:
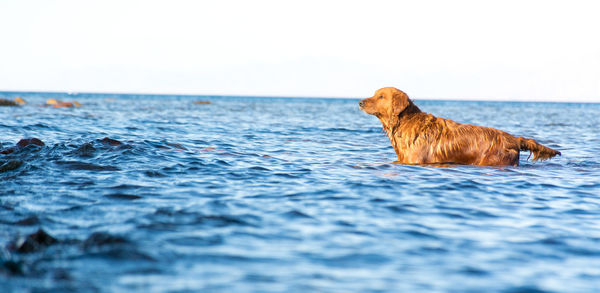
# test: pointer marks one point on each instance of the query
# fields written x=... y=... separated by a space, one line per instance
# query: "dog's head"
x=386 y=104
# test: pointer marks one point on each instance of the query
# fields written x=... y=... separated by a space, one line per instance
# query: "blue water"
x=289 y=195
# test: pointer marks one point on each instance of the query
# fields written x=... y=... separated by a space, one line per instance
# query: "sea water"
x=251 y=194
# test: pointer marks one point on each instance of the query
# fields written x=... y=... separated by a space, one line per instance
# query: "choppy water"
x=288 y=195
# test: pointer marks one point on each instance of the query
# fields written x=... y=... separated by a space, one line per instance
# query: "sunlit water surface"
x=289 y=195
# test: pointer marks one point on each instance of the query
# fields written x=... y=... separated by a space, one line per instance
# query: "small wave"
x=286 y=175
x=295 y=214
x=123 y=196
x=101 y=239
x=126 y=253
x=474 y=271
x=125 y=186
x=525 y=289
x=152 y=173
x=420 y=234
x=308 y=194
x=259 y=168
x=76 y=165
x=350 y=259
x=170 y=219
x=403 y=209
x=29 y=221
x=196 y=240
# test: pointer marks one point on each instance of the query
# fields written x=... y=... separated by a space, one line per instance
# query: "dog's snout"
x=361 y=103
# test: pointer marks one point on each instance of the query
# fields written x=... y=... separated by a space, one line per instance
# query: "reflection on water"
x=259 y=194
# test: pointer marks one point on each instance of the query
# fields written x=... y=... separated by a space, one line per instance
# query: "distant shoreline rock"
x=18 y=101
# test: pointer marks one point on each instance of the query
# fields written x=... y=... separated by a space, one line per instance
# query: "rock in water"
x=33 y=242
x=5 y=102
x=27 y=141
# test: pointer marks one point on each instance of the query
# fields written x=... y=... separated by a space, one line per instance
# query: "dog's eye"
x=381 y=97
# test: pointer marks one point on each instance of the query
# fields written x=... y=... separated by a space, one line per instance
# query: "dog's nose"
x=361 y=103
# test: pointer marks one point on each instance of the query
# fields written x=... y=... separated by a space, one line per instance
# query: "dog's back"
x=423 y=138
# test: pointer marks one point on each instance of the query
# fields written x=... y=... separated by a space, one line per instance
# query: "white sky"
x=504 y=50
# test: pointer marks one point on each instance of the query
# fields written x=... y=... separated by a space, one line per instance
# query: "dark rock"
x=60 y=104
x=20 y=101
x=110 y=141
x=202 y=102
x=10 y=165
x=7 y=151
x=23 y=143
x=43 y=238
x=86 y=150
x=13 y=267
x=33 y=242
x=62 y=275
x=29 y=141
x=5 y=102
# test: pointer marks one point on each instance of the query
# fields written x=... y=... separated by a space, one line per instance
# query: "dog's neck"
x=391 y=126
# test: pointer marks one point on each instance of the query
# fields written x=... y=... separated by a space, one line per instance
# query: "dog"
x=420 y=138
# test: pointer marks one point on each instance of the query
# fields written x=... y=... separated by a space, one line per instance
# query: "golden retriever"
x=421 y=138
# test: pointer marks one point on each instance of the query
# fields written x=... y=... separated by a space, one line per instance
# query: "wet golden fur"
x=421 y=138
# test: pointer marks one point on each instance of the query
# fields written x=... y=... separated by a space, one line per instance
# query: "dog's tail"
x=538 y=151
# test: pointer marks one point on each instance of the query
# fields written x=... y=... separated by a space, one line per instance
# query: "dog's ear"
x=399 y=102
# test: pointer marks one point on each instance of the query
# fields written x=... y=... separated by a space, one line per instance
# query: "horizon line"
x=75 y=93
